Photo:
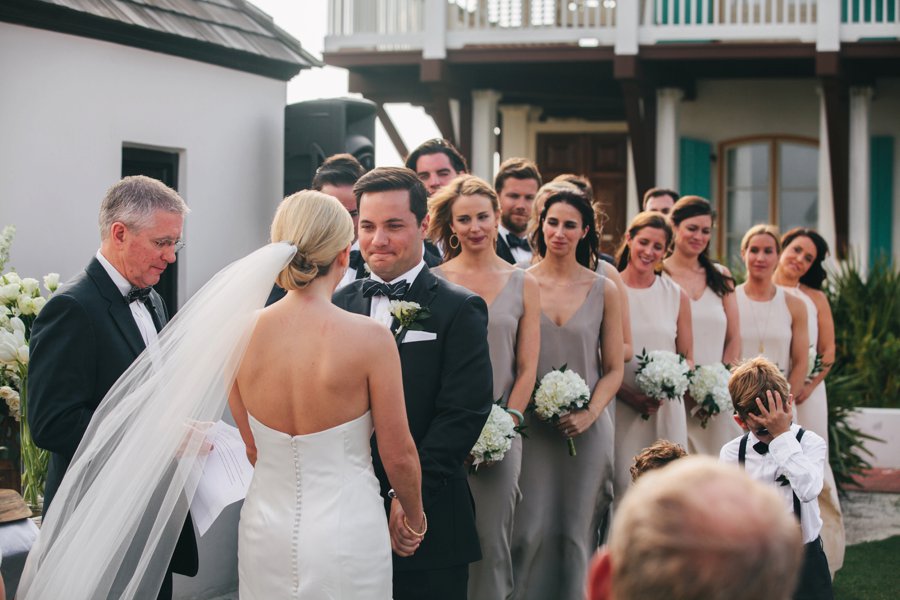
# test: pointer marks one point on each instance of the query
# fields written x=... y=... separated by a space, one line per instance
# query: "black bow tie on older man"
x=515 y=241
x=393 y=291
x=138 y=295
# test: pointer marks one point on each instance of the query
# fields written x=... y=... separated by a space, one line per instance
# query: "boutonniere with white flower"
x=410 y=316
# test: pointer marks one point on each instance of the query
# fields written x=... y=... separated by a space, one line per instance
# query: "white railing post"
x=435 y=46
x=627 y=23
x=828 y=36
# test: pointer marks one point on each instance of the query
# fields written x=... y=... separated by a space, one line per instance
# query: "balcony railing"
x=433 y=26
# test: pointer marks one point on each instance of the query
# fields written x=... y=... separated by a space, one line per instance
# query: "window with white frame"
x=766 y=180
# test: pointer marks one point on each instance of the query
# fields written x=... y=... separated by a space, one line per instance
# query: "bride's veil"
x=114 y=522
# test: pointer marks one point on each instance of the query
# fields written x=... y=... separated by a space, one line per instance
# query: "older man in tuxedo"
x=447 y=381
x=91 y=331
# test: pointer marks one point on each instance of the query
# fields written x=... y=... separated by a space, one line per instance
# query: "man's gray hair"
x=134 y=200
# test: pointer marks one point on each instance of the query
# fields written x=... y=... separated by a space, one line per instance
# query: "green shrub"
x=867 y=332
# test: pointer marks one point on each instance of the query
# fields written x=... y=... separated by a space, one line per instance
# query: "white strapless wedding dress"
x=313 y=524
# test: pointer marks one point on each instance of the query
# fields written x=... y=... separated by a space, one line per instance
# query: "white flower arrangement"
x=20 y=303
x=662 y=375
x=496 y=437
x=709 y=388
x=560 y=392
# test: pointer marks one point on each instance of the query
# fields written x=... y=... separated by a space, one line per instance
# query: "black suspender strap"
x=742 y=459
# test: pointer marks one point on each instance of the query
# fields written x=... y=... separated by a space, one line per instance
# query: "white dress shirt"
x=802 y=463
x=381 y=306
x=520 y=255
x=138 y=310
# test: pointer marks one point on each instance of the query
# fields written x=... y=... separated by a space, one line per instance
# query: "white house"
x=88 y=87
x=190 y=91
x=782 y=111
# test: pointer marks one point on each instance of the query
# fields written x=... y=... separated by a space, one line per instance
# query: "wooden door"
x=600 y=157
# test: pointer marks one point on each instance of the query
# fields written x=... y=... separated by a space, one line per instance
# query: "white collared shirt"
x=520 y=255
x=140 y=312
x=802 y=463
x=381 y=306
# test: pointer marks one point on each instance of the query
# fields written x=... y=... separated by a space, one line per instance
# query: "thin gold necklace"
x=762 y=344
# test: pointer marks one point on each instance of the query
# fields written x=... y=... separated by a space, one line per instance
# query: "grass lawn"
x=870 y=571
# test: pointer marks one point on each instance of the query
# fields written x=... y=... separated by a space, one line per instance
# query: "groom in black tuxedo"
x=447 y=380
x=96 y=325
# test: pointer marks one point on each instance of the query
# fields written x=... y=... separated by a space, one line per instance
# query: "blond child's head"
x=751 y=380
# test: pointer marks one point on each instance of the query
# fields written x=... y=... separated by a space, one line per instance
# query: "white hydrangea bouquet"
x=709 y=388
x=662 y=375
x=20 y=302
x=496 y=437
x=560 y=392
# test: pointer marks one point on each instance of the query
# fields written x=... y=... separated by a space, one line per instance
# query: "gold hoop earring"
x=450 y=241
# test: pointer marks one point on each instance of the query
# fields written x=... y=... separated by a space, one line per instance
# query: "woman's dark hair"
x=651 y=219
x=588 y=248
x=695 y=206
x=816 y=275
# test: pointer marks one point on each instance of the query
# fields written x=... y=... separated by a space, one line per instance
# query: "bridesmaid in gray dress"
x=463 y=218
x=563 y=497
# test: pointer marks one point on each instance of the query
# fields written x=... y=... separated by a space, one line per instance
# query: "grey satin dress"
x=496 y=488
x=564 y=497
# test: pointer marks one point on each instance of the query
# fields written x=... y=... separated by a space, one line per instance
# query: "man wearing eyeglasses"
x=96 y=325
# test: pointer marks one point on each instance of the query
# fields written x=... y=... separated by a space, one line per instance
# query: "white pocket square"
x=419 y=336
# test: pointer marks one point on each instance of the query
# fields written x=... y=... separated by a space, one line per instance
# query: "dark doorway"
x=603 y=159
x=163 y=166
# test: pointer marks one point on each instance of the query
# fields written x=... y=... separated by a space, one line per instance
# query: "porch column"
x=859 y=233
x=514 y=129
x=825 y=225
x=667 y=155
x=484 y=140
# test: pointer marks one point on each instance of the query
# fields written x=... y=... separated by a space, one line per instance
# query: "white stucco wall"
x=67 y=107
x=69 y=104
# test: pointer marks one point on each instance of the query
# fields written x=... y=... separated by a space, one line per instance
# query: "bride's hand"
x=403 y=542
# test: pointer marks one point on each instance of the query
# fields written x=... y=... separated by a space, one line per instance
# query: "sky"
x=307 y=21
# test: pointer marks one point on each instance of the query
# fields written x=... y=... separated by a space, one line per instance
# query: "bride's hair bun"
x=319 y=226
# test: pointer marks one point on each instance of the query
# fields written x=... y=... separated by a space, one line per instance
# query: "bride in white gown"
x=316 y=381
x=313 y=380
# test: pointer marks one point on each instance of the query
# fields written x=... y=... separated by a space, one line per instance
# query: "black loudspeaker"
x=317 y=129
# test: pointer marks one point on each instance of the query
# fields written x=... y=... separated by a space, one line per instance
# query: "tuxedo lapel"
x=119 y=311
x=356 y=302
x=503 y=250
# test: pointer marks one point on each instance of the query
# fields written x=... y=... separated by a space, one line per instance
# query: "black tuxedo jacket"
x=447 y=384
x=504 y=251
x=83 y=340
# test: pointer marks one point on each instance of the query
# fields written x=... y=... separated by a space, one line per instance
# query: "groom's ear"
x=423 y=228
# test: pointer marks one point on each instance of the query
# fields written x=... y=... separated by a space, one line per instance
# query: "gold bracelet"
x=413 y=531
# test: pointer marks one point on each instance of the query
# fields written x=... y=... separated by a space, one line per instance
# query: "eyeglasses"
x=165 y=244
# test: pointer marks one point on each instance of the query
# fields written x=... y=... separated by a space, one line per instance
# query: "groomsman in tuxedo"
x=516 y=184
x=96 y=325
x=436 y=163
x=660 y=200
x=447 y=380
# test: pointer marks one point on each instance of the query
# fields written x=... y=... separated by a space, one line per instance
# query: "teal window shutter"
x=695 y=169
x=881 y=197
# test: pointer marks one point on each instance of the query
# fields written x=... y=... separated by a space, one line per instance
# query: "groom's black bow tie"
x=515 y=241
x=138 y=295
x=393 y=291
x=761 y=447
